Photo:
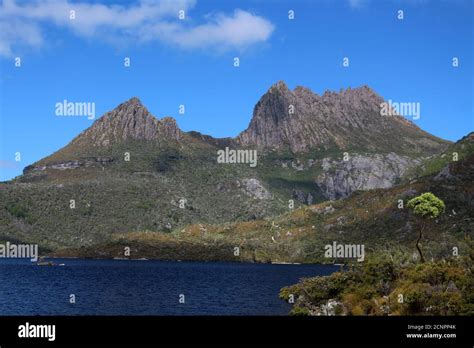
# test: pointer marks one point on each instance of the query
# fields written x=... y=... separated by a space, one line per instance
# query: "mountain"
x=101 y=143
x=131 y=172
x=301 y=121
x=127 y=172
x=372 y=218
x=130 y=120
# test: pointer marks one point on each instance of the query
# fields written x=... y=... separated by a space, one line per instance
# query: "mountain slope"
x=132 y=172
x=372 y=218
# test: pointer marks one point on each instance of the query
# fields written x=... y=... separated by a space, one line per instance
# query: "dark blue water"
x=115 y=287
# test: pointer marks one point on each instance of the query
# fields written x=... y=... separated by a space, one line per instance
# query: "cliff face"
x=372 y=151
x=362 y=172
x=301 y=121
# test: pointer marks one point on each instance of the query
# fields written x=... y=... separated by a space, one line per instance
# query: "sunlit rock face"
x=300 y=121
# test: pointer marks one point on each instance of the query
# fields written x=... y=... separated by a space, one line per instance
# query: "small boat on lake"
x=43 y=262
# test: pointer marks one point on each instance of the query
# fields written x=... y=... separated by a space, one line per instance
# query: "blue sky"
x=190 y=62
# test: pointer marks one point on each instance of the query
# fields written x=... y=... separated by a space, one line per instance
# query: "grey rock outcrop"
x=253 y=187
x=84 y=162
x=443 y=174
x=361 y=172
x=303 y=197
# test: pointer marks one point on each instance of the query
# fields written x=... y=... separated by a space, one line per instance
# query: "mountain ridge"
x=343 y=121
x=130 y=171
x=301 y=120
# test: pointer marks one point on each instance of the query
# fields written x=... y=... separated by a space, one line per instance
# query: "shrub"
x=16 y=210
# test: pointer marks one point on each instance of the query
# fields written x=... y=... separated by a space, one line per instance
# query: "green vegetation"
x=435 y=163
x=136 y=204
x=16 y=210
x=386 y=286
x=428 y=206
x=371 y=218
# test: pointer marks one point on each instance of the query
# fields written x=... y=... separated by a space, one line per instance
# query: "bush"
x=16 y=210
x=434 y=288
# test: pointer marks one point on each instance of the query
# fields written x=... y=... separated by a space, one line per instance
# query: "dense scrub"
x=383 y=286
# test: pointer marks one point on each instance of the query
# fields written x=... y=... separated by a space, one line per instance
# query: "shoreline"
x=274 y=263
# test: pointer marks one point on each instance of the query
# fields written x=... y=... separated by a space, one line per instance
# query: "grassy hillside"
x=433 y=164
x=143 y=194
x=372 y=218
x=113 y=196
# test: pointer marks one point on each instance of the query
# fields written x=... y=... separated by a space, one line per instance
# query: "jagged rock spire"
x=130 y=120
x=301 y=121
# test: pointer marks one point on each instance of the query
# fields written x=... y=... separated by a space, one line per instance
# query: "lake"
x=128 y=287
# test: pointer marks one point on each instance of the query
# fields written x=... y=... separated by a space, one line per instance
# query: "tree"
x=426 y=206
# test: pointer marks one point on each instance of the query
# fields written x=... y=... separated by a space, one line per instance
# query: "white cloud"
x=237 y=31
x=14 y=30
x=23 y=24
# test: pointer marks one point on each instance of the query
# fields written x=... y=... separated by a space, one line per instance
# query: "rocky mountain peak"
x=129 y=120
x=279 y=86
x=170 y=128
x=301 y=120
x=129 y=109
x=303 y=91
x=134 y=100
